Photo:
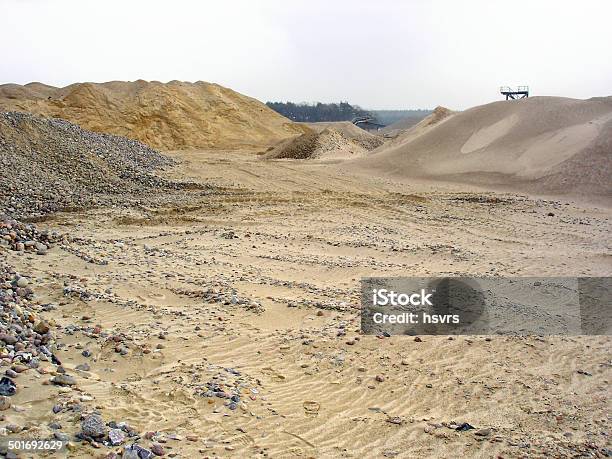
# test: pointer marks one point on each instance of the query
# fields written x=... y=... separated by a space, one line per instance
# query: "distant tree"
x=305 y=112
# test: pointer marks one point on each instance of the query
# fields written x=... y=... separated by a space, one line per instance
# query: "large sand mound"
x=327 y=141
x=169 y=116
x=547 y=145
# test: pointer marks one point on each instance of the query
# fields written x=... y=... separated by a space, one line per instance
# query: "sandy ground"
x=257 y=288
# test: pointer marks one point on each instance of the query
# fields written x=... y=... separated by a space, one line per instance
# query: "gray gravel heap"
x=48 y=165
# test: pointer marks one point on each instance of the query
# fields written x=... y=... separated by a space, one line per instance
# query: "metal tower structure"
x=520 y=93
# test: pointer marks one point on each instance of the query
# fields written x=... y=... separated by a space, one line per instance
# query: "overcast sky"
x=377 y=53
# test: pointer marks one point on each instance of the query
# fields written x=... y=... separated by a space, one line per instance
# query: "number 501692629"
x=20 y=444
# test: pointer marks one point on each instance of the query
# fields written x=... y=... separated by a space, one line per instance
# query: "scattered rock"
x=8 y=339
x=63 y=380
x=5 y=403
x=157 y=449
x=41 y=327
x=93 y=426
x=136 y=452
x=116 y=437
x=7 y=387
x=22 y=282
x=464 y=426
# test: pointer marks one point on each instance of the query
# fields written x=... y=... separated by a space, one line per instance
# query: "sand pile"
x=50 y=164
x=350 y=131
x=327 y=141
x=170 y=116
x=547 y=145
x=438 y=115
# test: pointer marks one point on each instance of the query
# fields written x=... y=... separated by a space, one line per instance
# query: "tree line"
x=343 y=111
x=311 y=113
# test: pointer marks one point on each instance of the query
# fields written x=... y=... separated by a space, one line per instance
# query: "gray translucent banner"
x=486 y=306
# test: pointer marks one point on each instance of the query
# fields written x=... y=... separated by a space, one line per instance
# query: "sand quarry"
x=219 y=317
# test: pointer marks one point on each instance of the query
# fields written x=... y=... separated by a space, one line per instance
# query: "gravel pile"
x=302 y=147
x=48 y=165
x=328 y=142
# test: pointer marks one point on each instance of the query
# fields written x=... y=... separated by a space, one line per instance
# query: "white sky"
x=376 y=53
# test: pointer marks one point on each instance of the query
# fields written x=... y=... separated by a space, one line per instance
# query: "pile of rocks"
x=48 y=165
x=23 y=237
x=25 y=338
x=228 y=385
x=97 y=432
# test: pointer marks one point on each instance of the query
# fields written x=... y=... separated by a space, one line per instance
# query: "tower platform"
x=521 y=92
